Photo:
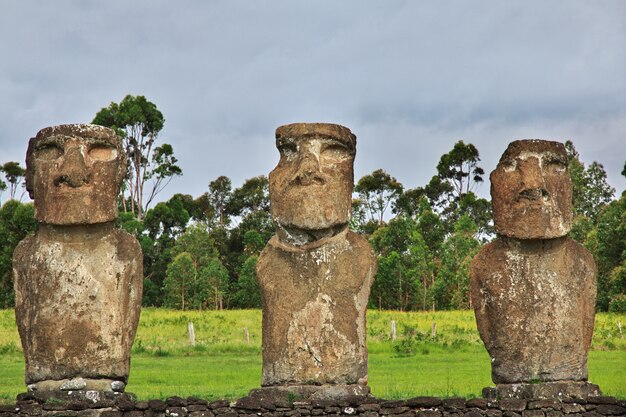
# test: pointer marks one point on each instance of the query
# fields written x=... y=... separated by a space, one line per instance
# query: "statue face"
x=74 y=173
x=531 y=191
x=311 y=187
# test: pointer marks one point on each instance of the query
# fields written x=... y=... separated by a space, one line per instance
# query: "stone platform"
x=110 y=404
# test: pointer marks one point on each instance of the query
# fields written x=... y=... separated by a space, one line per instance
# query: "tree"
x=450 y=192
x=164 y=170
x=409 y=202
x=451 y=289
x=167 y=219
x=3 y=186
x=214 y=276
x=248 y=293
x=17 y=220
x=460 y=169
x=220 y=194
x=607 y=242
x=179 y=280
x=377 y=191
x=138 y=122
x=161 y=227
x=251 y=197
x=590 y=188
x=405 y=266
x=14 y=174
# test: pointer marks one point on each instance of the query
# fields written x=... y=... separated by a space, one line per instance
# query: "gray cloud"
x=408 y=77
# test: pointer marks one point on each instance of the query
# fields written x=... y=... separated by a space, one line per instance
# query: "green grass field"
x=223 y=364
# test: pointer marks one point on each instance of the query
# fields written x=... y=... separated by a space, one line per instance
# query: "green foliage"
x=451 y=289
x=248 y=293
x=459 y=168
x=219 y=197
x=608 y=244
x=411 y=341
x=415 y=272
x=251 y=197
x=214 y=276
x=14 y=174
x=139 y=122
x=451 y=191
x=378 y=191
x=179 y=281
x=618 y=304
x=16 y=221
x=590 y=189
x=403 y=266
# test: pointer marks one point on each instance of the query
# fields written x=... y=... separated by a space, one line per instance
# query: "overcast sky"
x=409 y=78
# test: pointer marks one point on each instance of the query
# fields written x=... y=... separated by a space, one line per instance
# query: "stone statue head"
x=531 y=191
x=311 y=187
x=74 y=173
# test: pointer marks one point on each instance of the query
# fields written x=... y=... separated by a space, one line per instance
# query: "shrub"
x=618 y=303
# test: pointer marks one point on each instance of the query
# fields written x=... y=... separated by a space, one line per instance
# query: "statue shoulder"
x=24 y=248
x=266 y=258
x=580 y=255
x=360 y=244
x=491 y=251
x=126 y=241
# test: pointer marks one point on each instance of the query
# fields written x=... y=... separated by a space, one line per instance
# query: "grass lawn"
x=224 y=365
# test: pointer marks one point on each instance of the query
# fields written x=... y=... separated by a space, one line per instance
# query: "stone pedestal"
x=548 y=390
x=291 y=393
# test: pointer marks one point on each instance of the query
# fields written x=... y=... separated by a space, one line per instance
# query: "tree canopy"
x=139 y=122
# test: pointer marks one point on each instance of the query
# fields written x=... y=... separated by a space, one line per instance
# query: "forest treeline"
x=200 y=252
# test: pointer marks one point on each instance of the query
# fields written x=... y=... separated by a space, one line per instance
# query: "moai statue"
x=533 y=288
x=315 y=274
x=78 y=279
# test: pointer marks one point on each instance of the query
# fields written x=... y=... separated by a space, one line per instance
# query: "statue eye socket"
x=102 y=153
x=48 y=152
x=555 y=164
x=509 y=165
x=335 y=151
x=288 y=149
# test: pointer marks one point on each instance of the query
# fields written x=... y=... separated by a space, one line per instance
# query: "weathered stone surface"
x=534 y=302
x=314 y=300
x=315 y=275
x=78 y=280
x=320 y=395
x=531 y=191
x=74 y=174
x=29 y=404
x=533 y=288
x=311 y=187
x=425 y=402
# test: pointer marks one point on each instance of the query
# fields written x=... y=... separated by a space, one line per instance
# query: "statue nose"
x=532 y=177
x=309 y=171
x=73 y=171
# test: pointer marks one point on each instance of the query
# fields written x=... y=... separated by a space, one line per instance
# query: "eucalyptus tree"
x=14 y=174
x=377 y=192
x=139 y=122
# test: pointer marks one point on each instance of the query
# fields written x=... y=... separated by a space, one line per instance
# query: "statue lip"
x=308 y=181
x=71 y=181
x=533 y=195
